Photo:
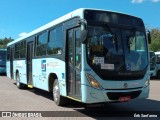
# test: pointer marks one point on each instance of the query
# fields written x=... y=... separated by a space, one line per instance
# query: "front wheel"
x=58 y=99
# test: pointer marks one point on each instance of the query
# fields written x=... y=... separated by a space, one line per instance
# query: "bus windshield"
x=118 y=52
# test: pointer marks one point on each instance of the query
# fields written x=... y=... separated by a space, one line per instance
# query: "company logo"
x=6 y=114
x=125 y=85
x=43 y=65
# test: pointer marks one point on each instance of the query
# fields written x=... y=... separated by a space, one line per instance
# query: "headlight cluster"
x=93 y=82
x=147 y=82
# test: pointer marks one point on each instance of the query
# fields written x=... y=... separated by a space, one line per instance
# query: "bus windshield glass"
x=116 y=53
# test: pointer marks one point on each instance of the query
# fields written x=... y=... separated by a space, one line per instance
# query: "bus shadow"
x=38 y=92
x=2 y=74
x=42 y=93
x=122 y=110
x=137 y=104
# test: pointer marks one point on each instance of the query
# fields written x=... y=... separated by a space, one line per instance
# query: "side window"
x=23 y=49
x=41 y=44
x=55 y=43
x=17 y=51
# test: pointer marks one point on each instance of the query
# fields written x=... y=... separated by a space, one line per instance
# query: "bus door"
x=29 y=63
x=73 y=63
x=11 y=63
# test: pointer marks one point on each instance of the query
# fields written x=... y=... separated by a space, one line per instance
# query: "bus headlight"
x=93 y=82
x=147 y=82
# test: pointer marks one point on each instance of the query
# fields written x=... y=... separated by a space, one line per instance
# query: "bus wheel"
x=58 y=99
x=19 y=85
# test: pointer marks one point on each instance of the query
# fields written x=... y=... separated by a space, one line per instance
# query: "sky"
x=18 y=17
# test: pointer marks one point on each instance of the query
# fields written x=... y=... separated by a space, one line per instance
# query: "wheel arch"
x=51 y=79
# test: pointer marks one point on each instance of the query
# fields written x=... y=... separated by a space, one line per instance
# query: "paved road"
x=13 y=99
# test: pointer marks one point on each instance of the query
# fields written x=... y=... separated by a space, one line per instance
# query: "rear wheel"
x=58 y=99
x=18 y=83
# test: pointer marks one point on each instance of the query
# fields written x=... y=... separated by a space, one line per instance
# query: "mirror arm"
x=148 y=36
x=84 y=31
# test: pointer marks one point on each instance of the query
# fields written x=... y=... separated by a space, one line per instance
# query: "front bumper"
x=92 y=95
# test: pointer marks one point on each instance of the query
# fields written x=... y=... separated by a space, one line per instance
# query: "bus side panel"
x=39 y=74
x=21 y=68
x=14 y=70
x=8 y=69
x=43 y=67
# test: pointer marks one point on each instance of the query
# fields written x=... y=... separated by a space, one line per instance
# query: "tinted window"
x=112 y=17
x=23 y=49
x=17 y=51
x=41 y=44
x=55 y=43
x=42 y=39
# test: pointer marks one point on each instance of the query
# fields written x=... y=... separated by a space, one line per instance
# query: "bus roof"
x=66 y=17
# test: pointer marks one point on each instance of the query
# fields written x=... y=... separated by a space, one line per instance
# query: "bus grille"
x=117 y=95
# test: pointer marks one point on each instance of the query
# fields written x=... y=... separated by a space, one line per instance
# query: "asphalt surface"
x=34 y=103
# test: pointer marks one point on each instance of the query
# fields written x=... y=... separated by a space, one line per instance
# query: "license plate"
x=124 y=98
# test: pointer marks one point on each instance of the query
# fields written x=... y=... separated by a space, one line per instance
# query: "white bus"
x=88 y=55
x=156 y=72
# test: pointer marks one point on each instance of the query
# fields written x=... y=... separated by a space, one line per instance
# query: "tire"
x=19 y=85
x=58 y=99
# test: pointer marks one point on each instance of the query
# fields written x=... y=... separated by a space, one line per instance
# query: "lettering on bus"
x=19 y=64
x=107 y=66
x=53 y=64
x=99 y=60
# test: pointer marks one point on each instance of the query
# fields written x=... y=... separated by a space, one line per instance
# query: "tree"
x=4 y=42
x=155 y=37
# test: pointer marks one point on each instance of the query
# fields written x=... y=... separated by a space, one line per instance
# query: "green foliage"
x=155 y=37
x=4 y=42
